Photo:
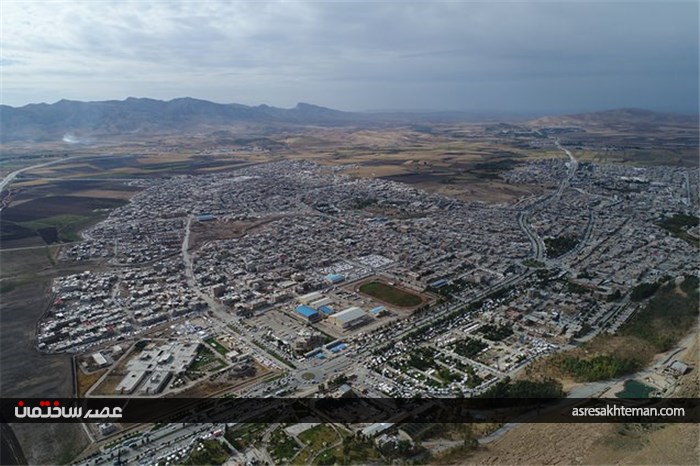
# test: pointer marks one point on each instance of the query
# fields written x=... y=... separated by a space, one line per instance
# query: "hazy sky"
x=503 y=56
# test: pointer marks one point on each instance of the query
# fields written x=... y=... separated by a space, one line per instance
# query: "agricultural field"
x=52 y=211
x=53 y=204
x=25 y=372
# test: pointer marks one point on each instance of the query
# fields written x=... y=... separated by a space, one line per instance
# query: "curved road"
x=11 y=176
x=573 y=166
x=524 y=216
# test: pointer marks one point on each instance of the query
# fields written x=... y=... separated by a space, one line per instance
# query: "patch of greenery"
x=390 y=294
x=208 y=452
x=446 y=375
x=216 y=345
x=507 y=388
x=505 y=164
x=315 y=440
x=203 y=360
x=644 y=291
x=678 y=225
x=469 y=347
x=282 y=446
x=656 y=328
x=360 y=204
x=533 y=263
x=246 y=435
x=421 y=358
x=667 y=316
x=599 y=367
x=473 y=379
x=584 y=330
x=358 y=449
x=401 y=450
x=576 y=288
x=327 y=457
x=496 y=332
x=451 y=288
x=560 y=245
x=690 y=284
x=62 y=228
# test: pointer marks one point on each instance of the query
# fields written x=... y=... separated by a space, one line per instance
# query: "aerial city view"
x=482 y=201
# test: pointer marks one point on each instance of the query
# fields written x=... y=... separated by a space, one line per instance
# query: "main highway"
x=10 y=177
x=524 y=216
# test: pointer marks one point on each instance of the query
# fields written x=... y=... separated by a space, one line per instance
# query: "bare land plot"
x=389 y=294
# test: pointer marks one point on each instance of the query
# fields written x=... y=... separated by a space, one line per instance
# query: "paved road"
x=25 y=248
x=535 y=239
x=218 y=309
x=524 y=216
x=11 y=176
x=573 y=166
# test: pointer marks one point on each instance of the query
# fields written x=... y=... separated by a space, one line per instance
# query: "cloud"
x=356 y=55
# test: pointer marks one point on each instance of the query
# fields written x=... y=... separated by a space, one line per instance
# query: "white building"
x=348 y=318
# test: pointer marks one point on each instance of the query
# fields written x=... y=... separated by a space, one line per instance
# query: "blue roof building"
x=335 y=278
x=439 y=283
x=308 y=313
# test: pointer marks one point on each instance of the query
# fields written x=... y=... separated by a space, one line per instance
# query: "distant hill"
x=46 y=122
x=70 y=120
x=625 y=118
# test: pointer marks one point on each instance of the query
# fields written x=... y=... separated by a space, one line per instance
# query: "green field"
x=315 y=440
x=390 y=294
x=282 y=446
x=54 y=218
x=206 y=360
x=217 y=346
x=245 y=435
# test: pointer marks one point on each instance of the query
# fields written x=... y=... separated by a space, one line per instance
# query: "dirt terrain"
x=25 y=372
x=631 y=444
x=533 y=444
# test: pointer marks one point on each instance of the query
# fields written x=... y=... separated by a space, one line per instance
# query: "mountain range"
x=42 y=122
x=143 y=116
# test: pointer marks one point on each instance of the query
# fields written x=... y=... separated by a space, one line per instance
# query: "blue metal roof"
x=326 y=309
x=376 y=310
x=335 y=277
x=306 y=311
